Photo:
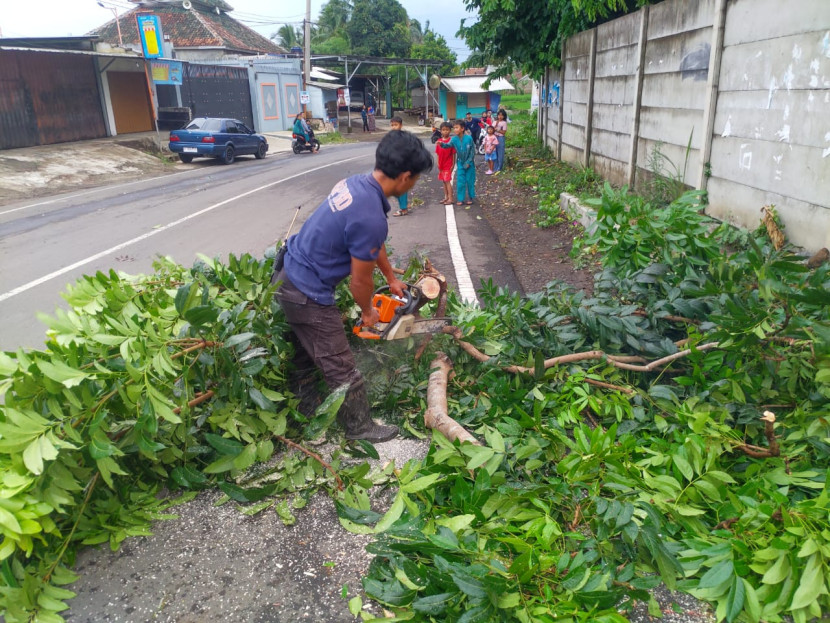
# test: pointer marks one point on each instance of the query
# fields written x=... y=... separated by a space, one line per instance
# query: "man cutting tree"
x=345 y=236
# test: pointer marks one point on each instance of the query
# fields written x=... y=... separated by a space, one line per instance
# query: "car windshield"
x=205 y=125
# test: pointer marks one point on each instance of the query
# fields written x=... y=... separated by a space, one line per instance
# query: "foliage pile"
x=171 y=381
x=584 y=496
x=599 y=479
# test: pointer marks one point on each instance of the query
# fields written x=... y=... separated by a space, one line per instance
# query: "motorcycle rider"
x=301 y=129
x=344 y=237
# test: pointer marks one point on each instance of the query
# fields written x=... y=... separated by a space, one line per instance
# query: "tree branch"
x=317 y=457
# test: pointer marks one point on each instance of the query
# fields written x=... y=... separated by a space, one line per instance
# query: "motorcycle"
x=436 y=134
x=299 y=144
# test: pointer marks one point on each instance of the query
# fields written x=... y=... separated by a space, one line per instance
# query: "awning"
x=321 y=74
x=473 y=84
x=328 y=86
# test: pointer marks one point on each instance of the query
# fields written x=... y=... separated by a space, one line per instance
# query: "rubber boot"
x=308 y=392
x=354 y=417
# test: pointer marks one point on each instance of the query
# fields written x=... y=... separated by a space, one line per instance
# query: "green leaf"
x=9 y=521
x=735 y=599
x=480 y=455
x=223 y=445
x=510 y=600
x=36 y=452
x=246 y=458
x=326 y=413
x=201 y=315
x=419 y=484
x=455 y=523
x=8 y=366
x=779 y=571
x=239 y=338
x=355 y=605
x=433 y=604
x=62 y=373
x=718 y=575
x=469 y=585
x=811 y=584
x=392 y=515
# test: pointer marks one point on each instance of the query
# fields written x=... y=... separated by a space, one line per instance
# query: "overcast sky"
x=51 y=18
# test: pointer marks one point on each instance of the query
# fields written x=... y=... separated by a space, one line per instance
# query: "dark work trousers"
x=318 y=338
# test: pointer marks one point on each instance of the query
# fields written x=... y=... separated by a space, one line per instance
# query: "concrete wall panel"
x=744 y=114
x=671 y=91
x=576 y=68
x=787 y=63
x=807 y=225
x=687 y=52
x=571 y=154
x=675 y=161
x=616 y=62
x=611 y=144
x=576 y=91
x=790 y=170
x=758 y=20
x=575 y=114
x=674 y=16
x=618 y=91
x=619 y=33
x=579 y=44
x=612 y=170
x=573 y=135
x=673 y=126
x=613 y=118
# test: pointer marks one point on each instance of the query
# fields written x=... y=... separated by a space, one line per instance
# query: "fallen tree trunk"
x=436 y=417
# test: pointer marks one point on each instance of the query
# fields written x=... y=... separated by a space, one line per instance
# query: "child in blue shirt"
x=396 y=123
x=465 y=172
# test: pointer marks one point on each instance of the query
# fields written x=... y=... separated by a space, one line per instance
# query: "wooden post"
x=589 y=121
x=561 y=103
x=712 y=85
x=638 y=97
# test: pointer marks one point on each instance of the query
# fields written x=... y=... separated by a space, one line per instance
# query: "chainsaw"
x=400 y=316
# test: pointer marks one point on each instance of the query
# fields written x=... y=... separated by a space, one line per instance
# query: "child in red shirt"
x=446 y=161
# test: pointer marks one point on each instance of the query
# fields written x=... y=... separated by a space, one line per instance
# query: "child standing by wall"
x=491 y=142
x=396 y=124
x=465 y=162
x=446 y=157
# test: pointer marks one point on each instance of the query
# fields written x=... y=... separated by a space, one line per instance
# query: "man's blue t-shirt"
x=351 y=222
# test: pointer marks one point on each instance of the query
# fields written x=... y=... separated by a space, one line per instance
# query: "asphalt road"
x=209 y=209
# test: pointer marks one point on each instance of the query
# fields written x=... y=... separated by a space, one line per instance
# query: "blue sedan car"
x=209 y=137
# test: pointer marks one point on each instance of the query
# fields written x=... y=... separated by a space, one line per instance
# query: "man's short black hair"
x=396 y=120
x=469 y=113
x=399 y=152
x=446 y=124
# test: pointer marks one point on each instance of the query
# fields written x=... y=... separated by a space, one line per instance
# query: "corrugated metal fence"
x=48 y=98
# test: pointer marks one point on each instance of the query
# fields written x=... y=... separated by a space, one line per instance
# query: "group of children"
x=456 y=148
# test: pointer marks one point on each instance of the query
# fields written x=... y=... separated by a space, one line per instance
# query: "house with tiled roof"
x=199 y=30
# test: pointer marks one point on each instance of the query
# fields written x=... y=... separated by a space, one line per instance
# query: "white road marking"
x=149 y=234
x=462 y=273
x=94 y=190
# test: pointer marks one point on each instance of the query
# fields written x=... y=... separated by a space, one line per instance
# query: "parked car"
x=209 y=137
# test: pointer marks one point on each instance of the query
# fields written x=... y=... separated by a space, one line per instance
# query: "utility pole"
x=306 y=50
x=117 y=23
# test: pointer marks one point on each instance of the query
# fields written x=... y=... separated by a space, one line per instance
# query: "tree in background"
x=528 y=34
x=379 y=28
x=288 y=36
x=433 y=46
x=334 y=16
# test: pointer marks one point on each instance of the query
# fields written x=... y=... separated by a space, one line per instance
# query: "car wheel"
x=186 y=158
x=228 y=155
x=315 y=145
x=261 y=151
